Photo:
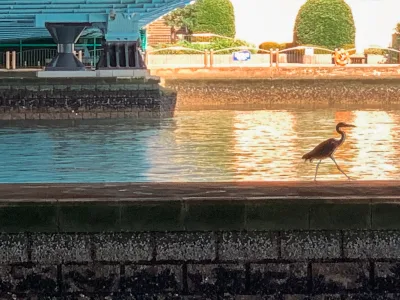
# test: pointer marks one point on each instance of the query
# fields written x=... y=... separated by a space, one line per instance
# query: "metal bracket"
x=122 y=27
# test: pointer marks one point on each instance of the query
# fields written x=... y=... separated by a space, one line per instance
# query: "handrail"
x=304 y=47
x=241 y=48
x=175 y=48
x=382 y=48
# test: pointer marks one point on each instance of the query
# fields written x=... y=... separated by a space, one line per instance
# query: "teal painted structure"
x=26 y=19
x=119 y=22
x=143 y=38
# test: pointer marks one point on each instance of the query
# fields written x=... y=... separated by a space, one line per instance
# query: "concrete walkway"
x=329 y=190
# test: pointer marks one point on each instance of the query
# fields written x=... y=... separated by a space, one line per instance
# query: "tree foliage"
x=181 y=17
x=397 y=28
x=205 y=16
x=215 y=16
x=326 y=23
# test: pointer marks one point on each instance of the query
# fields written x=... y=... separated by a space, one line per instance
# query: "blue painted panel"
x=70 y=18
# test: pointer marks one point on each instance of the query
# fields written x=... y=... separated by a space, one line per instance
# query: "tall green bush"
x=205 y=16
x=326 y=23
x=215 y=16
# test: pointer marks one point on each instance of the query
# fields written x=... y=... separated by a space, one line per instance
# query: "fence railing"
x=176 y=56
x=35 y=58
x=39 y=58
x=181 y=57
x=2 y=58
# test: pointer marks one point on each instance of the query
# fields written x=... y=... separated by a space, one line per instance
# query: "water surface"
x=208 y=145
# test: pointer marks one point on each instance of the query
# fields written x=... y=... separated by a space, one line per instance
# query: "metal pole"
x=20 y=51
x=14 y=60
x=8 y=60
x=271 y=57
x=94 y=52
x=277 y=57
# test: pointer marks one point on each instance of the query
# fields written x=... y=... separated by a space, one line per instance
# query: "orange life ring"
x=341 y=57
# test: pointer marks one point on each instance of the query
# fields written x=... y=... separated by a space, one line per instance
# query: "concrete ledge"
x=201 y=206
x=269 y=240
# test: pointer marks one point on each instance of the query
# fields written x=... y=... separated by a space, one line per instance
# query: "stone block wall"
x=295 y=92
x=283 y=71
x=290 y=265
x=200 y=241
x=83 y=98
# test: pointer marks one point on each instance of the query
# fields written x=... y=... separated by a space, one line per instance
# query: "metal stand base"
x=65 y=62
x=120 y=55
x=65 y=35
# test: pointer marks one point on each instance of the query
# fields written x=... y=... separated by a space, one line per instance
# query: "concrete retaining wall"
x=292 y=71
x=227 y=264
x=265 y=93
x=201 y=241
x=83 y=98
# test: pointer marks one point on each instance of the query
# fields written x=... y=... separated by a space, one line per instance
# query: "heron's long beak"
x=349 y=125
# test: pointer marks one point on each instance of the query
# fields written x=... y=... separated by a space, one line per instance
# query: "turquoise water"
x=223 y=145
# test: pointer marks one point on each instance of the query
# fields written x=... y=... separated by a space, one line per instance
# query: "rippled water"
x=222 y=145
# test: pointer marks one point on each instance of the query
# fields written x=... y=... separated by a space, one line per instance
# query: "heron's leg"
x=339 y=167
x=316 y=171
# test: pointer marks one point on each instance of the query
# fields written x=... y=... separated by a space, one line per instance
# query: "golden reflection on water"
x=374 y=143
x=262 y=140
x=229 y=145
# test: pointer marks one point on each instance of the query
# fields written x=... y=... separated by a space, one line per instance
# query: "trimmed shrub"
x=216 y=44
x=348 y=47
x=214 y=16
x=327 y=23
x=271 y=45
x=288 y=45
x=376 y=51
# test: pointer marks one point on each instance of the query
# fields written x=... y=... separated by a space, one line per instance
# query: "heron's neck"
x=343 y=135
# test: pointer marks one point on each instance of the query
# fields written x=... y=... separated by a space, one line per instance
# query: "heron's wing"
x=323 y=150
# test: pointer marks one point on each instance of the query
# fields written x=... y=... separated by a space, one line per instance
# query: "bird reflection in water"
x=327 y=149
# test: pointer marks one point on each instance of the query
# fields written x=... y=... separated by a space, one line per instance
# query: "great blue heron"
x=327 y=149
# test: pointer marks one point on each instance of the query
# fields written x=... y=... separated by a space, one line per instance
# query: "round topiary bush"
x=271 y=45
x=326 y=23
x=214 y=16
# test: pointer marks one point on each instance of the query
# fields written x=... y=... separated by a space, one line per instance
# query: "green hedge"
x=283 y=46
x=376 y=51
x=214 y=16
x=272 y=45
x=328 y=23
x=215 y=44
